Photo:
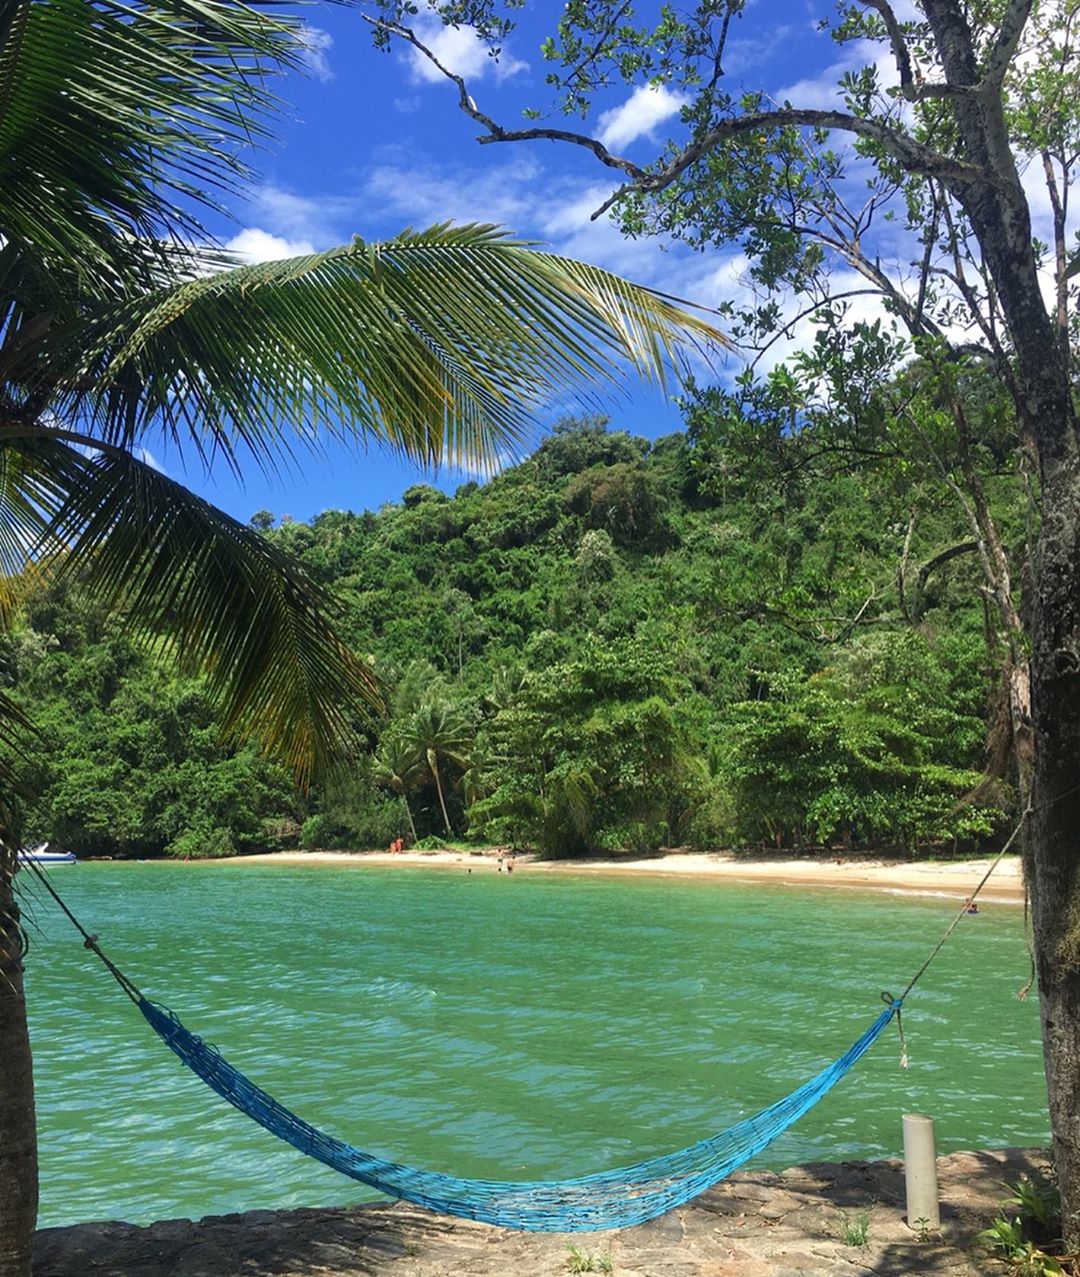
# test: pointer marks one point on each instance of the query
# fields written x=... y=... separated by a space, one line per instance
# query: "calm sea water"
x=525 y=1027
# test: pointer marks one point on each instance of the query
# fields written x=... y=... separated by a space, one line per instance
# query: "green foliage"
x=352 y=811
x=871 y=748
x=587 y=1261
x=431 y=843
x=128 y=759
x=201 y=842
x=747 y=677
x=853 y=1232
x=591 y=755
x=1028 y=1231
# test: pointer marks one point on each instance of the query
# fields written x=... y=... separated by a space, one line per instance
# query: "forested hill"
x=614 y=644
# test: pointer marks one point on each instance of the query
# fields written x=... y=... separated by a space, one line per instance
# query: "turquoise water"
x=536 y=1026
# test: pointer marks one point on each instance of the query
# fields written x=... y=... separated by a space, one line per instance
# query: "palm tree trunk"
x=408 y=815
x=433 y=763
x=18 y=1136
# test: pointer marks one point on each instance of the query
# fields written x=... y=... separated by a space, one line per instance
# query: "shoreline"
x=950 y=879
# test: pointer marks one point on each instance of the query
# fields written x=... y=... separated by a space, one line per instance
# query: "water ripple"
x=542 y=1027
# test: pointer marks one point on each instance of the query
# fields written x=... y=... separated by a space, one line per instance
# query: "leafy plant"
x=923 y=1232
x=1039 y=1199
x=853 y=1232
x=1006 y=1237
x=584 y=1261
x=1029 y=1224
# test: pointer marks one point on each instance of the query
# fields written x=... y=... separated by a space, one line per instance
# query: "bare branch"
x=788 y=328
x=897 y=41
x=911 y=155
x=984 y=319
x=912 y=87
x=495 y=132
x=1008 y=37
x=721 y=45
x=943 y=556
x=901 y=570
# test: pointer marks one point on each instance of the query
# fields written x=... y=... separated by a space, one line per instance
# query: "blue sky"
x=371 y=142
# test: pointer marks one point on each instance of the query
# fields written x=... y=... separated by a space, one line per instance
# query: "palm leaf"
x=16 y=730
x=31 y=493
x=219 y=597
x=443 y=344
x=120 y=117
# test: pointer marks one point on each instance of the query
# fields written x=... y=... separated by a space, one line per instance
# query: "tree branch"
x=901 y=570
x=911 y=155
x=897 y=41
x=943 y=556
x=583 y=62
x=495 y=131
x=1008 y=37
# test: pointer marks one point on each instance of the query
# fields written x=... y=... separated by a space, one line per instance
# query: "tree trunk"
x=408 y=816
x=1054 y=854
x=433 y=762
x=18 y=1136
x=999 y=215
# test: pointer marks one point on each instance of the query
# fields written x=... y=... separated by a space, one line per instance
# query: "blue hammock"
x=609 y=1199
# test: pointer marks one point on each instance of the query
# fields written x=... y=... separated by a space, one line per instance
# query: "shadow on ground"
x=754 y=1224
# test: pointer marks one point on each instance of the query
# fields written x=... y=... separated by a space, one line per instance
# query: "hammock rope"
x=607 y=1199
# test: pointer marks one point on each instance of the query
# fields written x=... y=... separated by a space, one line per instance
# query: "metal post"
x=920 y=1172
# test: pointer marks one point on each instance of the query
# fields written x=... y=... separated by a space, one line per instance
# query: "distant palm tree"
x=120 y=121
x=398 y=766
x=438 y=732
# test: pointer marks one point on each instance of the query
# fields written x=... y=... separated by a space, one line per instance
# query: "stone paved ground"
x=755 y=1224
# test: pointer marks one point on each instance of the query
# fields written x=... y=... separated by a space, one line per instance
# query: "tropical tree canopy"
x=119 y=324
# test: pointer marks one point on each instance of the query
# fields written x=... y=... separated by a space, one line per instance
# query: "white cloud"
x=316 y=45
x=322 y=219
x=461 y=51
x=290 y=214
x=253 y=244
x=645 y=108
x=482 y=471
x=822 y=91
x=420 y=192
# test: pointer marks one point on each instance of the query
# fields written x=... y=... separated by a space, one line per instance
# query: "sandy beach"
x=955 y=879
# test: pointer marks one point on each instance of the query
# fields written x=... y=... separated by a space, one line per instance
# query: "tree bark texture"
x=1054 y=832
x=999 y=214
x=18 y=1137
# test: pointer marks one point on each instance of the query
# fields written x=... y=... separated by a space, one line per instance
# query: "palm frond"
x=443 y=344
x=219 y=598
x=31 y=493
x=120 y=117
x=16 y=730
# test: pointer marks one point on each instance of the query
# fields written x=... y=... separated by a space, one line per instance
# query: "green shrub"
x=321 y=832
x=202 y=843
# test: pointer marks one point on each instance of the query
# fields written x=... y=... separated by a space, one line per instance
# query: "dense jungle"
x=769 y=631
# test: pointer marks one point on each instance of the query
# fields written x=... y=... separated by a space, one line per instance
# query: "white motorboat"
x=41 y=856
